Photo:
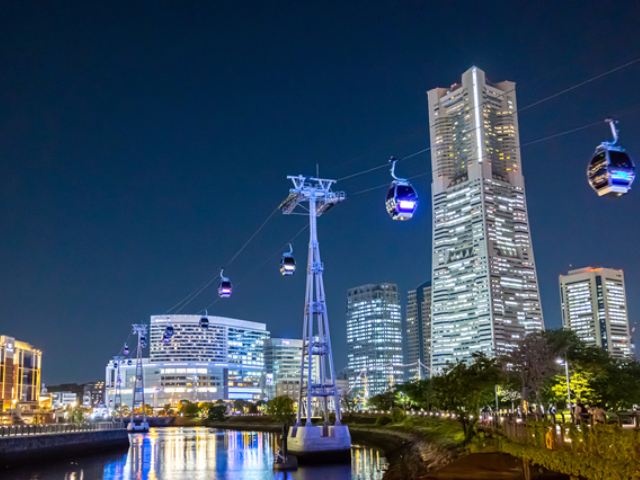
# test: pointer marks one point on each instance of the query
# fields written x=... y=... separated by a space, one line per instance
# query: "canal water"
x=198 y=453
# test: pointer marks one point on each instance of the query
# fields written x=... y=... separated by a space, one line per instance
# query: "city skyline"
x=123 y=162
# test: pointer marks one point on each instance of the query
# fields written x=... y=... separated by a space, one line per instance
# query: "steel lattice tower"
x=320 y=198
x=140 y=330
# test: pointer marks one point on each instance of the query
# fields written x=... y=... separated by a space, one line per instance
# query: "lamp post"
x=566 y=369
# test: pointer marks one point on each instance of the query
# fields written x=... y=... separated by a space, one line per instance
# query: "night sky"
x=142 y=143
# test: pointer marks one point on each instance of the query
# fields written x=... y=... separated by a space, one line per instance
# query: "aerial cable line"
x=513 y=149
x=578 y=85
x=189 y=298
x=277 y=252
x=522 y=109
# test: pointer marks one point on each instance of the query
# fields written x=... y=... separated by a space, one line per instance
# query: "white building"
x=374 y=338
x=63 y=400
x=484 y=283
x=594 y=306
x=226 y=361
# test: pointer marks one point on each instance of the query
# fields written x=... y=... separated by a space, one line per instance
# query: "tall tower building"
x=417 y=332
x=595 y=307
x=374 y=338
x=485 y=288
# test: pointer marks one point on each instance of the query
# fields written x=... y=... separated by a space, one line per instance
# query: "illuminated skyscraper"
x=417 y=332
x=595 y=307
x=485 y=288
x=374 y=338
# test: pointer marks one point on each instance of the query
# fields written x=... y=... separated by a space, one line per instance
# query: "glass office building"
x=20 y=367
x=594 y=306
x=417 y=333
x=374 y=338
x=484 y=284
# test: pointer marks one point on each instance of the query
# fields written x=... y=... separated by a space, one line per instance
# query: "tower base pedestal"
x=320 y=444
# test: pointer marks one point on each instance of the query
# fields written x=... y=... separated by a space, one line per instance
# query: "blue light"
x=622 y=175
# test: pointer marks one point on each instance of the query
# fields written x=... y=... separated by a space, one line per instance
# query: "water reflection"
x=197 y=454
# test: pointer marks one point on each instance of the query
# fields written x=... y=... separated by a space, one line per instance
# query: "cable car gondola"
x=287 y=262
x=168 y=331
x=166 y=338
x=126 y=349
x=130 y=362
x=115 y=364
x=143 y=342
x=204 y=322
x=611 y=171
x=225 y=287
x=402 y=199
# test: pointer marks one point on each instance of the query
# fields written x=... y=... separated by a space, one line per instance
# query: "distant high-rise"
x=417 y=332
x=282 y=357
x=20 y=366
x=374 y=338
x=484 y=283
x=595 y=307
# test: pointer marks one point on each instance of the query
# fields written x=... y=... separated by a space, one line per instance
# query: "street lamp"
x=566 y=369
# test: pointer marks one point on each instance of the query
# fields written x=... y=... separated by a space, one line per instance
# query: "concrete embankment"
x=35 y=448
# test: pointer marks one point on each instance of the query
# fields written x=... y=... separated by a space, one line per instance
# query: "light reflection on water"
x=200 y=454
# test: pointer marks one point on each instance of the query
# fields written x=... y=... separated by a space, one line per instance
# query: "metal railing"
x=56 y=428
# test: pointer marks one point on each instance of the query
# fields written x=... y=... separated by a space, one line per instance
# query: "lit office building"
x=374 y=338
x=20 y=366
x=282 y=357
x=225 y=361
x=417 y=332
x=594 y=306
x=484 y=283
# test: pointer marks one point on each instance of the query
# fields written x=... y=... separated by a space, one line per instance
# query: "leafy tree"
x=217 y=412
x=188 y=409
x=383 y=401
x=253 y=408
x=465 y=388
x=418 y=394
x=239 y=404
x=281 y=407
x=167 y=409
x=580 y=385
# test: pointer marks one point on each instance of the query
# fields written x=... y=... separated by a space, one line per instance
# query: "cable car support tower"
x=334 y=441
x=140 y=330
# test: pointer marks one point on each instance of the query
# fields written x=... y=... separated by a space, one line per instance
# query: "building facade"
x=484 y=284
x=282 y=360
x=594 y=306
x=224 y=362
x=92 y=394
x=374 y=338
x=417 y=333
x=20 y=368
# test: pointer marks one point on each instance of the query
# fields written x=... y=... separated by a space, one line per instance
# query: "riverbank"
x=17 y=450
x=417 y=448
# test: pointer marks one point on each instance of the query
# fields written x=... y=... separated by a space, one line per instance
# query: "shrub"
x=397 y=414
x=383 y=420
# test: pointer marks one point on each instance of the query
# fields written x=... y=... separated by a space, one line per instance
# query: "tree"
x=217 y=412
x=253 y=408
x=418 y=394
x=580 y=385
x=281 y=408
x=167 y=409
x=532 y=364
x=465 y=388
x=188 y=409
x=239 y=404
x=382 y=401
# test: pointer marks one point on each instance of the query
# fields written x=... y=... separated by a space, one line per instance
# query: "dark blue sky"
x=141 y=143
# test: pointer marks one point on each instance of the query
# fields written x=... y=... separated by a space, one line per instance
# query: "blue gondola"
x=611 y=170
x=126 y=349
x=402 y=199
x=225 y=288
x=204 y=322
x=287 y=262
x=143 y=342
